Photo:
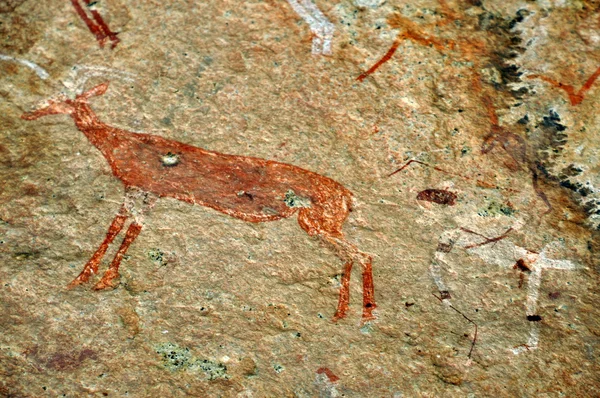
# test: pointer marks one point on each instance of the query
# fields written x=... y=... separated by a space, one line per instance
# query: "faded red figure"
x=251 y=189
x=575 y=97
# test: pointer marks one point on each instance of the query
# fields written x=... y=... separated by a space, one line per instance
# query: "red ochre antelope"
x=251 y=189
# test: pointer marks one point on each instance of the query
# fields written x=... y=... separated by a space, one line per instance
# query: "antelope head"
x=64 y=105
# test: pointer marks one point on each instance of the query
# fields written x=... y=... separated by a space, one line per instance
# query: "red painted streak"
x=113 y=271
x=383 y=60
x=344 y=300
x=368 y=293
x=96 y=30
x=330 y=375
x=98 y=27
x=107 y=32
x=487 y=240
x=575 y=98
x=413 y=32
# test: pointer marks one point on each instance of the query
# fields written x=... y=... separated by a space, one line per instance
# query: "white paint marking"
x=41 y=72
x=503 y=253
x=319 y=25
x=435 y=271
x=75 y=82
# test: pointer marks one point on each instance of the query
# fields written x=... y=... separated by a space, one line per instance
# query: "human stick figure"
x=501 y=252
x=247 y=188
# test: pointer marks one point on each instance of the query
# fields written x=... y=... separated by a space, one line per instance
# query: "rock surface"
x=485 y=250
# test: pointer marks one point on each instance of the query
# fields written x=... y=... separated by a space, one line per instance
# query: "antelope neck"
x=101 y=135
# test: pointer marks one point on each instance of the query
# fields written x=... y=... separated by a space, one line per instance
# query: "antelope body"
x=248 y=188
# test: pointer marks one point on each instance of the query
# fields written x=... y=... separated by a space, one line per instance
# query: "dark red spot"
x=332 y=377
x=554 y=295
x=69 y=360
x=444 y=247
x=521 y=265
x=439 y=196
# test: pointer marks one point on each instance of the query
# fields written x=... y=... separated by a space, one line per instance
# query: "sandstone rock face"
x=451 y=146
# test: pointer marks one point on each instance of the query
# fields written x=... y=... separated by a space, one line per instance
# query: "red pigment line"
x=417 y=161
x=95 y=29
x=539 y=192
x=439 y=45
x=344 y=299
x=575 y=98
x=480 y=183
x=491 y=110
x=441 y=299
x=368 y=293
x=473 y=232
x=107 y=32
x=113 y=271
x=330 y=375
x=383 y=60
x=491 y=240
x=92 y=265
x=428 y=165
x=588 y=84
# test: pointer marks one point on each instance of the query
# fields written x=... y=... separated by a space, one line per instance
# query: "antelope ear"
x=95 y=91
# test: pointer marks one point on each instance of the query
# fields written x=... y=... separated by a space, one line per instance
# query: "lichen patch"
x=293 y=200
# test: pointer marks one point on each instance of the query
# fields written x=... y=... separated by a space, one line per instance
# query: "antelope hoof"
x=106 y=284
x=368 y=318
x=367 y=314
x=80 y=280
x=338 y=315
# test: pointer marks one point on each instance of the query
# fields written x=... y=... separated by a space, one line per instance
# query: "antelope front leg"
x=368 y=290
x=92 y=265
x=344 y=300
x=113 y=270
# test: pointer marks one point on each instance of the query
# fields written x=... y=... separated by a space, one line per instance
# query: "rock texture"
x=485 y=248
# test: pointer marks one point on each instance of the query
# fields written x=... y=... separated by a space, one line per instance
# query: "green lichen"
x=293 y=200
x=157 y=256
x=176 y=358
x=495 y=209
x=213 y=370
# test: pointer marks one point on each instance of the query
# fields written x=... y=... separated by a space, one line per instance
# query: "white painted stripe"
x=504 y=253
x=318 y=23
x=80 y=74
x=41 y=72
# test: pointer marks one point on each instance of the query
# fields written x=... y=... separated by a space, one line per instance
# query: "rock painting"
x=501 y=252
x=575 y=97
x=96 y=23
x=247 y=188
x=41 y=72
x=320 y=26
